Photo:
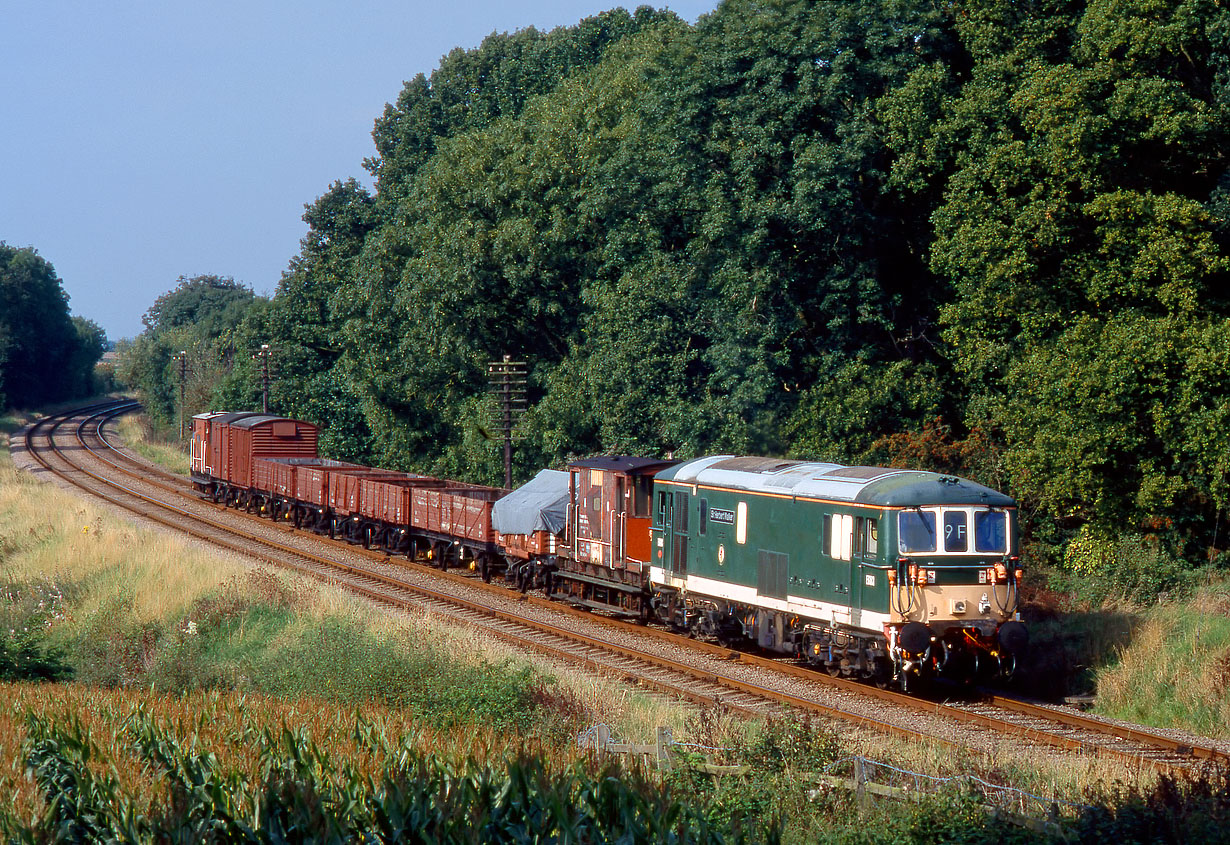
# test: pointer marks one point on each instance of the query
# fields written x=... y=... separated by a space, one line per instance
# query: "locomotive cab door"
x=675 y=532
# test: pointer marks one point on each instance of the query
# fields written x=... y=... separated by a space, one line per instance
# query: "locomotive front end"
x=953 y=592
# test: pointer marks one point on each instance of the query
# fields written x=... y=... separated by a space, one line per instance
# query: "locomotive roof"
x=883 y=486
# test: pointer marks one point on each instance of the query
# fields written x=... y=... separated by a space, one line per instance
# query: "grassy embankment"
x=1164 y=663
x=139 y=435
x=194 y=669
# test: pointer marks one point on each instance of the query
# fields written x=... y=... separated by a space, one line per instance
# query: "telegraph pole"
x=507 y=380
x=182 y=358
x=263 y=356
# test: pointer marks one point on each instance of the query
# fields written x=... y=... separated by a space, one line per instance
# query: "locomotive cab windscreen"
x=953 y=530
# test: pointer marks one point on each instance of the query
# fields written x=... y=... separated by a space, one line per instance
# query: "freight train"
x=888 y=575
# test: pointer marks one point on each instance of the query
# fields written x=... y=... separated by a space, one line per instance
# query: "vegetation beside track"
x=224 y=700
x=139 y=435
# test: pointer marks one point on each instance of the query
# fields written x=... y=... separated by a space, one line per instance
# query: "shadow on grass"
x=1066 y=649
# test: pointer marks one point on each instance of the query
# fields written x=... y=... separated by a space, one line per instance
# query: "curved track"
x=700 y=672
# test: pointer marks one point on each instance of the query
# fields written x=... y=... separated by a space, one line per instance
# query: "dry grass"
x=1176 y=670
x=49 y=533
x=1033 y=770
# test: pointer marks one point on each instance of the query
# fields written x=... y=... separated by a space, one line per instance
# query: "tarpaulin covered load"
x=540 y=505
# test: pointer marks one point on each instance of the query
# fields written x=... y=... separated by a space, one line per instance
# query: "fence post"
x=860 y=779
x=602 y=738
x=664 y=747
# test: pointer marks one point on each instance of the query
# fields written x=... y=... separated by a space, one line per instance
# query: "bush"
x=1101 y=569
x=26 y=612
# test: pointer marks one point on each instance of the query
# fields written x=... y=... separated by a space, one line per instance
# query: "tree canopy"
x=986 y=236
x=45 y=354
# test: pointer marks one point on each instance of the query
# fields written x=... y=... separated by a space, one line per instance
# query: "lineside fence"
x=868 y=779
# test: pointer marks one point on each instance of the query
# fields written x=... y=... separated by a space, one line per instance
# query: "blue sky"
x=143 y=141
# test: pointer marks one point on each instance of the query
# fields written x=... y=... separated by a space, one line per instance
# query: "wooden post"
x=860 y=781
x=664 y=748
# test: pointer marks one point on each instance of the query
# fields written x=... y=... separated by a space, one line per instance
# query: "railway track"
x=701 y=672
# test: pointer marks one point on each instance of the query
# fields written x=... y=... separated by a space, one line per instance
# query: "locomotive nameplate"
x=722 y=515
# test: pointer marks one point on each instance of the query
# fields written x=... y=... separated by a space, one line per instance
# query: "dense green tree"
x=1079 y=231
x=817 y=256
x=210 y=305
x=45 y=356
x=88 y=351
x=472 y=89
x=443 y=284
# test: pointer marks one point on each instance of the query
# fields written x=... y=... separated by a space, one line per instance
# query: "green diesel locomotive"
x=869 y=572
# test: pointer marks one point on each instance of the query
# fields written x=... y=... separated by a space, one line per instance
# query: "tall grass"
x=1176 y=670
x=165 y=451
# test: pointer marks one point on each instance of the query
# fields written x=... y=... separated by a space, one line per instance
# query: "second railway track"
x=697 y=671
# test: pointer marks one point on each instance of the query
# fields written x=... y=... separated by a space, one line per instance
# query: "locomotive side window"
x=741 y=523
x=871 y=546
x=839 y=531
x=916 y=530
x=955 y=534
x=704 y=518
x=990 y=531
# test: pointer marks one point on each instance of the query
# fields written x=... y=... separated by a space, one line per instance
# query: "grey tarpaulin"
x=539 y=505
